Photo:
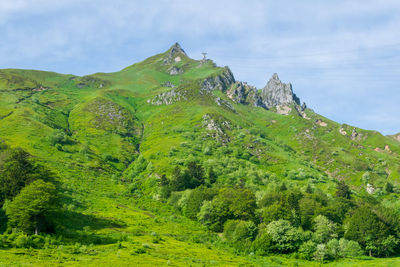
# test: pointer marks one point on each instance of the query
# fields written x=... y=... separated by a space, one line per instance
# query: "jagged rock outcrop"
x=243 y=93
x=220 y=82
x=175 y=54
x=224 y=103
x=175 y=70
x=168 y=98
x=276 y=93
x=216 y=127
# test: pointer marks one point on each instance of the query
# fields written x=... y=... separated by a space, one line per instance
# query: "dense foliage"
x=291 y=219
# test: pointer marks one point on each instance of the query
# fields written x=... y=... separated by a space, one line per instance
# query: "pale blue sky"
x=342 y=57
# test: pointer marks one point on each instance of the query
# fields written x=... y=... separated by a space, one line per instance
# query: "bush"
x=285 y=237
x=263 y=244
x=349 y=248
x=307 y=250
x=240 y=234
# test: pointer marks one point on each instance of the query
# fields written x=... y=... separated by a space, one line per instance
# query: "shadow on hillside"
x=77 y=227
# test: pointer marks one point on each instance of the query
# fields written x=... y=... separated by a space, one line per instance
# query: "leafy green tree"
x=343 y=190
x=275 y=212
x=213 y=214
x=17 y=171
x=212 y=176
x=365 y=227
x=308 y=207
x=307 y=249
x=195 y=174
x=285 y=237
x=321 y=252
x=388 y=188
x=30 y=209
x=229 y=204
x=263 y=244
x=349 y=248
x=324 y=229
x=240 y=234
x=241 y=202
x=195 y=200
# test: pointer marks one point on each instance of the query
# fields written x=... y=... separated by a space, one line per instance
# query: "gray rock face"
x=175 y=51
x=276 y=93
x=175 y=70
x=168 y=98
x=220 y=82
x=243 y=93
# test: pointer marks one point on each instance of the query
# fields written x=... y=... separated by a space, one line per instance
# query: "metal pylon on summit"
x=204 y=55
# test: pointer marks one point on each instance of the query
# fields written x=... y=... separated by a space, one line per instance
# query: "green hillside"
x=171 y=161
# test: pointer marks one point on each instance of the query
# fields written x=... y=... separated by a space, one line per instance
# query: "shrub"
x=285 y=237
x=240 y=234
x=307 y=250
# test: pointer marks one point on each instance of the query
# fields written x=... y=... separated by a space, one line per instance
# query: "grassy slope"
x=34 y=104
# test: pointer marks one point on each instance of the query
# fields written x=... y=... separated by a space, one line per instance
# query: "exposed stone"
x=342 y=131
x=243 y=93
x=175 y=70
x=174 y=54
x=168 y=98
x=39 y=89
x=321 y=123
x=220 y=82
x=224 y=103
x=370 y=189
x=283 y=110
x=216 y=127
x=276 y=93
x=387 y=148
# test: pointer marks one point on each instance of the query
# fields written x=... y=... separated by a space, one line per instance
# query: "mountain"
x=119 y=142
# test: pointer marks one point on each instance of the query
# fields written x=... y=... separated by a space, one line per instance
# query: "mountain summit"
x=276 y=93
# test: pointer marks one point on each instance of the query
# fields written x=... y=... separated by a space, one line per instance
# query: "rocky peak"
x=276 y=93
x=174 y=54
x=176 y=50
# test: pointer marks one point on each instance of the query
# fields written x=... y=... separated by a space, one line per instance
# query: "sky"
x=342 y=57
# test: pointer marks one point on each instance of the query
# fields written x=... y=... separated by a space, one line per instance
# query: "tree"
x=17 y=171
x=195 y=200
x=212 y=177
x=240 y=234
x=213 y=214
x=195 y=174
x=229 y=204
x=343 y=190
x=241 y=202
x=324 y=229
x=308 y=208
x=285 y=237
x=365 y=227
x=30 y=209
x=388 y=188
